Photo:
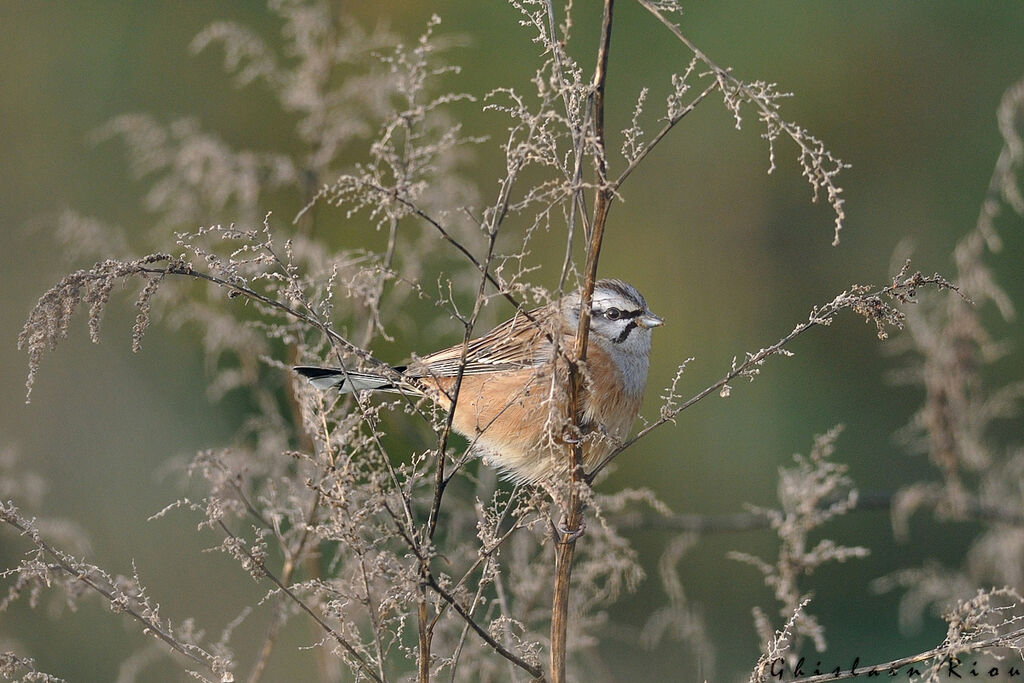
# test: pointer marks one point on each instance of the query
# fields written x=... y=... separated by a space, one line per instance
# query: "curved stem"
x=888 y=669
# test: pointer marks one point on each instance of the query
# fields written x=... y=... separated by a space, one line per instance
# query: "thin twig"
x=531 y=669
x=440 y=482
x=291 y=557
x=579 y=204
x=884 y=669
x=821 y=179
x=177 y=267
x=429 y=580
x=899 y=290
x=415 y=210
x=669 y=125
x=340 y=639
x=149 y=625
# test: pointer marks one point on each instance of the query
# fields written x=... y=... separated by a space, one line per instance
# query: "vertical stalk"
x=423 y=660
x=565 y=550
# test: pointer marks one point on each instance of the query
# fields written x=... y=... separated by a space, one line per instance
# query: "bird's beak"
x=649 y=320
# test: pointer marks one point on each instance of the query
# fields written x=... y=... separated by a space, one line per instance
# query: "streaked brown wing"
x=514 y=344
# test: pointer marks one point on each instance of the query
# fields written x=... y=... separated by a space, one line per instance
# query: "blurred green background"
x=732 y=257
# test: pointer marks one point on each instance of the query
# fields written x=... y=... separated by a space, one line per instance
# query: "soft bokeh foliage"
x=732 y=257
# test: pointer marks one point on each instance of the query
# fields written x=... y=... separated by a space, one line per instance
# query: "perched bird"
x=511 y=402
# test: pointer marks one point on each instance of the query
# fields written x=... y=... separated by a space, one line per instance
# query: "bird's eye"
x=613 y=314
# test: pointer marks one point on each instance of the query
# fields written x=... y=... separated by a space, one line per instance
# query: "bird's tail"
x=346 y=381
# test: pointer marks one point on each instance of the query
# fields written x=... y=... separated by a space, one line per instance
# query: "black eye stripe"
x=625 y=332
x=622 y=314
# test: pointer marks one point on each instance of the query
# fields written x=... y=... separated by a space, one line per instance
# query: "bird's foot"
x=561 y=532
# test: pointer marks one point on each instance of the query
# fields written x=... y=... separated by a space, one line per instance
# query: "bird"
x=514 y=391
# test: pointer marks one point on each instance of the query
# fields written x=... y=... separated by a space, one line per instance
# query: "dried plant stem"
x=150 y=626
x=430 y=581
x=484 y=556
x=579 y=206
x=440 y=481
x=751 y=521
x=669 y=125
x=868 y=304
x=340 y=639
x=373 y=319
x=417 y=211
x=177 y=267
x=573 y=516
x=372 y=611
x=531 y=669
x=423 y=634
x=277 y=619
x=725 y=79
x=424 y=624
x=1007 y=639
